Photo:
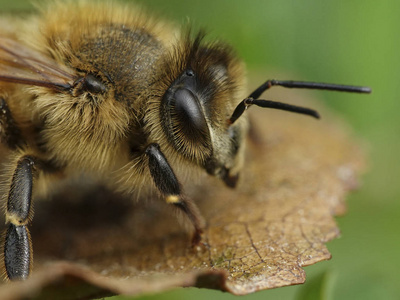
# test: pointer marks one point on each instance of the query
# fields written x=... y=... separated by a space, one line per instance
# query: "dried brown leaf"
x=258 y=235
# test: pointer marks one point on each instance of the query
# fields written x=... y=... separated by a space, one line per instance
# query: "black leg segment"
x=19 y=198
x=162 y=173
x=17 y=247
x=17 y=252
x=167 y=183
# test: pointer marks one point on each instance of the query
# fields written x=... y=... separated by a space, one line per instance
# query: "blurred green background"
x=339 y=41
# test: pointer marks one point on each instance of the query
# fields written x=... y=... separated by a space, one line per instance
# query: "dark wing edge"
x=24 y=65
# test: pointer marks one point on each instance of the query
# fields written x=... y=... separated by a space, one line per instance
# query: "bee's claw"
x=196 y=238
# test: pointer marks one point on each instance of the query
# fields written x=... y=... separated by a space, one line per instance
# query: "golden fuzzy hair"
x=80 y=131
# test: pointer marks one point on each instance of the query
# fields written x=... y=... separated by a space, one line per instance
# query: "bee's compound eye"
x=183 y=117
x=188 y=112
x=94 y=85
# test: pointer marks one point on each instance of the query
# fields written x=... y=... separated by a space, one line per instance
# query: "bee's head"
x=202 y=85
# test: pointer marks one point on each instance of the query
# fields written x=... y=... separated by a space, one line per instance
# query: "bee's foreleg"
x=167 y=183
x=18 y=247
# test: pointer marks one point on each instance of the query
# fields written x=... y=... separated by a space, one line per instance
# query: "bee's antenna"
x=246 y=103
x=308 y=85
x=252 y=99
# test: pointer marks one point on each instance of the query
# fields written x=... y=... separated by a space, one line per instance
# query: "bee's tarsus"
x=196 y=238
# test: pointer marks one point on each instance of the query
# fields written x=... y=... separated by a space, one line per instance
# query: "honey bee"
x=105 y=90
